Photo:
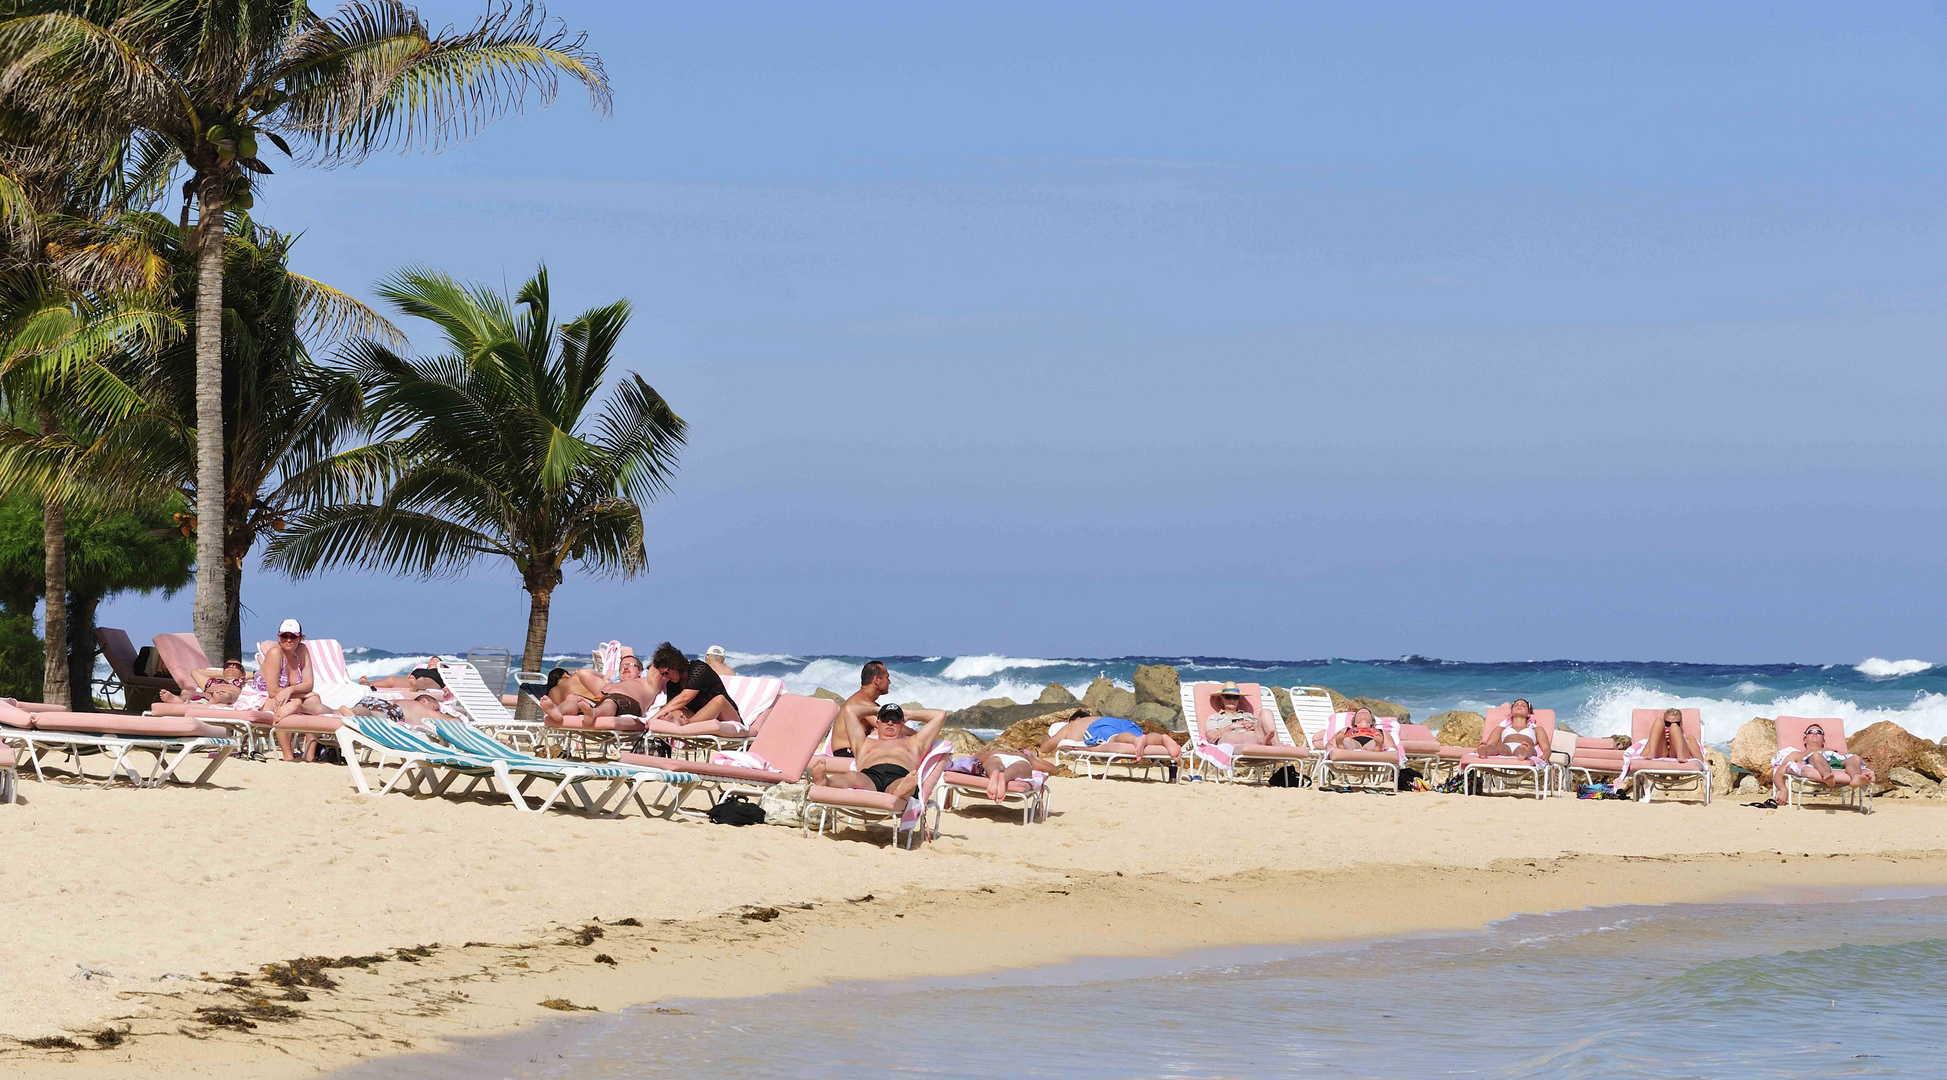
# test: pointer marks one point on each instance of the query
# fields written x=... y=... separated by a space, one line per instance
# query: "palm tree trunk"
x=233 y=622
x=537 y=640
x=55 y=689
x=212 y=571
x=81 y=649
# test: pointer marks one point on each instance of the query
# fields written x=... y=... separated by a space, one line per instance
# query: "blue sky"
x=1072 y=329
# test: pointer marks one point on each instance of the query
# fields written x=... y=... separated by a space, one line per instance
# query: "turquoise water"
x=1791 y=987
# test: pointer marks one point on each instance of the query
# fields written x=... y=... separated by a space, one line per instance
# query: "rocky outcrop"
x=1753 y=745
x=1158 y=684
x=821 y=692
x=1283 y=698
x=1907 y=778
x=1055 y=694
x=1749 y=785
x=1439 y=720
x=1148 y=713
x=998 y=703
x=1105 y=698
x=1028 y=732
x=1005 y=716
x=1887 y=746
x=1720 y=771
x=964 y=741
x=1461 y=728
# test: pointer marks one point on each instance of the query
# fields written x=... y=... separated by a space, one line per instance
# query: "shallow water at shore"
x=1785 y=986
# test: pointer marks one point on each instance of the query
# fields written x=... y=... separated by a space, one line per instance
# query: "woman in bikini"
x=1364 y=733
x=220 y=686
x=1003 y=767
x=1817 y=764
x=287 y=676
x=1667 y=739
x=1518 y=737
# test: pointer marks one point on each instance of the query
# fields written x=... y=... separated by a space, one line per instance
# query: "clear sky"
x=1070 y=329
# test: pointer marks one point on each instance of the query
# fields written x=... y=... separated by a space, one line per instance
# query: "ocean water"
x=1590 y=697
x=1786 y=987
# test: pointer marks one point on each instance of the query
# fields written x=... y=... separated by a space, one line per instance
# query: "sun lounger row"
x=34 y=731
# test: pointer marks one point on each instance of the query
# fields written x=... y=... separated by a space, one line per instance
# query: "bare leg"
x=1164 y=742
x=1681 y=748
x=1779 y=777
x=1855 y=771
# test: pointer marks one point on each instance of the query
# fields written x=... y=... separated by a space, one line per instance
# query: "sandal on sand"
x=1768 y=804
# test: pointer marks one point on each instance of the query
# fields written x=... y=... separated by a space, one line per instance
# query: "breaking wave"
x=1876 y=668
x=981 y=667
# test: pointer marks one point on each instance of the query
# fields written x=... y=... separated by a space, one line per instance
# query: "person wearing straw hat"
x=1230 y=725
x=714 y=657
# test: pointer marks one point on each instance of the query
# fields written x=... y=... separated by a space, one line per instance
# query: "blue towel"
x=1108 y=728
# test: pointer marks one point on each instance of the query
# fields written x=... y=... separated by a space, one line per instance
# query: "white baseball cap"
x=714 y=650
x=290 y=626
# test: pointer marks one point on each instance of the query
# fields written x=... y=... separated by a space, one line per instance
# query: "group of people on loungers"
x=696 y=700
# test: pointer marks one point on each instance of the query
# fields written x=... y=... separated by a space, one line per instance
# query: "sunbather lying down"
x=1110 y=733
x=219 y=686
x=1519 y=737
x=421 y=678
x=1817 y=764
x=887 y=760
x=416 y=711
x=1003 y=767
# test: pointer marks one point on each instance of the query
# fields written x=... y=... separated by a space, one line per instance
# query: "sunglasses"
x=287 y=637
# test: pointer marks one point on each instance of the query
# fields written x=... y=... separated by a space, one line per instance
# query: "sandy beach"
x=142 y=911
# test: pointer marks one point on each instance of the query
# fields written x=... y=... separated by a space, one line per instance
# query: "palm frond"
x=368 y=535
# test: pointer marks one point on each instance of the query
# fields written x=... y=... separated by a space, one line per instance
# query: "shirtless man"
x=421 y=678
x=714 y=656
x=859 y=713
x=887 y=759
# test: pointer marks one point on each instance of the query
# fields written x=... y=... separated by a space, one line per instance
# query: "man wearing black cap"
x=888 y=758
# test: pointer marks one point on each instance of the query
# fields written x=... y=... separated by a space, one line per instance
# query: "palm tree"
x=282 y=411
x=196 y=84
x=494 y=447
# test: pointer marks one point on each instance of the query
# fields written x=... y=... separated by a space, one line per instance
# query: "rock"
x=1105 y=698
x=1753 y=745
x=1439 y=720
x=909 y=706
x=1149 y=713
x=964 y=741
x=1748 y=785
x=1005 y=716
x=1907 y=778
x=1720 y=771
x=1382 y=707
x=821 y=692
x=1028 y=732
x=1055 y=694
x=1283 y=698
x=998 y=703
x=1887 y=746
x=1461 y=728
x=1158 y=684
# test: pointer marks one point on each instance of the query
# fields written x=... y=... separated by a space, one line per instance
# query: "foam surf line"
x=1874 y=667
x=983 y=667
x=933 y=691
x=1607 y=711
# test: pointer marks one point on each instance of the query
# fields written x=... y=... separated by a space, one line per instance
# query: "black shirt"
x=708 y=685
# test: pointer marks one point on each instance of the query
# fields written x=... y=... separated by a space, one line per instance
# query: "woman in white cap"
x=288 y=679
x=713 y=656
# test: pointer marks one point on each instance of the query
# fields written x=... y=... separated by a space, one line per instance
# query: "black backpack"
x=737 y=810
x=1287 y=777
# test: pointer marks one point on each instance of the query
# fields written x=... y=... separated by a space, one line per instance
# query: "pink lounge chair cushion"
x=175 y=727
x=1641 y=721
x=1498 y=762
x=1454 y=753
x=793 y=730
x=1791 y=733
x=182 y=654
x=969 y=780
x=32 y=706
x=1666 y=765
x=12 y=715
x=704 y=768
x=510 y=700
x=1279 y=752
x=211 y=712
x=1421 y=747
x=325 y=722
x=1583 y=744
x=579 y=722
x=1117 y=751
x=851 y=797
x=1386 y=757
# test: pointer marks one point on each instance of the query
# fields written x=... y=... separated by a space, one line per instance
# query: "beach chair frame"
x=1507 y=776
x=469 y=739
x=170 y=753
x=1033 y=802
x=438 y=768
x=483 y=707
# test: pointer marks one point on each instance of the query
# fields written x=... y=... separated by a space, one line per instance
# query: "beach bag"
x=736 y=810
x=1449 y=786
x=148 y=662
x=1407 y=778
x=783 y=804
x=1287 y=777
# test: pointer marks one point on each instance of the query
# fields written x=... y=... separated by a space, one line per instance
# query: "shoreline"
x=736 y=913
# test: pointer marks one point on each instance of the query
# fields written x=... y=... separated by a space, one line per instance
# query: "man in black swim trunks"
x=887 y=761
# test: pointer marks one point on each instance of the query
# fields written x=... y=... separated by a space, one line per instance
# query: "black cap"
x=890 y=713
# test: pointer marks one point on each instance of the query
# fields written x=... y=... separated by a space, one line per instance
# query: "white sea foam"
x=378 y=669
x=1875 y=668
x=936 y=692
x=1607 y=711
x=744 y=659
x=1749 y=688
x=981 y=667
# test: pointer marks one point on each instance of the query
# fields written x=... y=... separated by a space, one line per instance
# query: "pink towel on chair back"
x=754 y=695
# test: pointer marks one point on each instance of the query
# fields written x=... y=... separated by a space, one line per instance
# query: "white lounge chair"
x=1086 y=759
x=9 y=776
x=483 y=707
x=1199 y=703
x=171 y=740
